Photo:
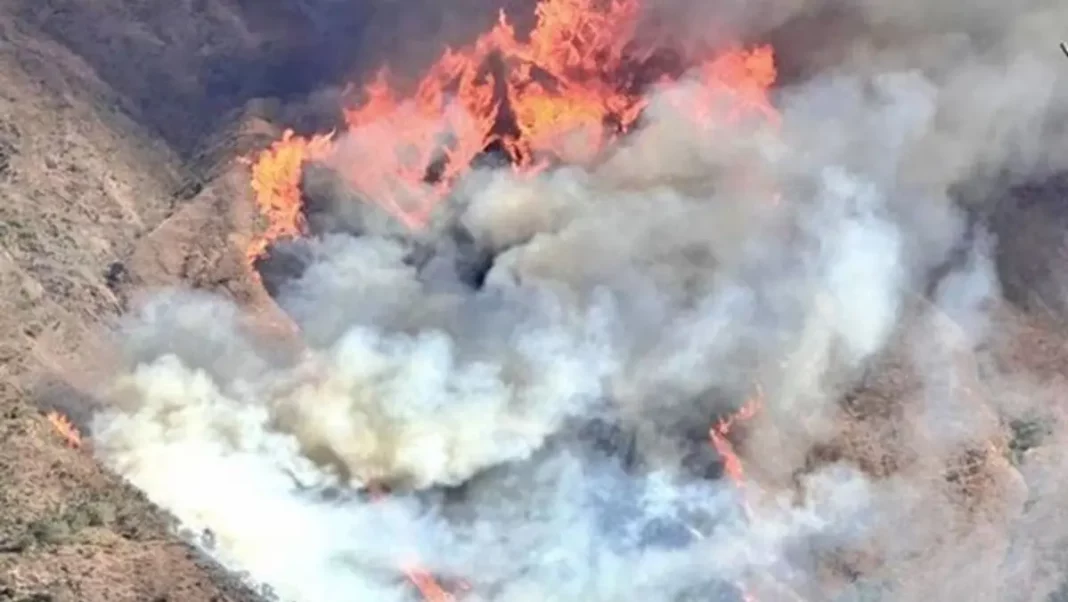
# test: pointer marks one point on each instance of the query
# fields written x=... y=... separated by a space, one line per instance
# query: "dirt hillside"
x=95 y=196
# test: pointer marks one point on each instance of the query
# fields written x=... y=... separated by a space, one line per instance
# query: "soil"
x=104 y=190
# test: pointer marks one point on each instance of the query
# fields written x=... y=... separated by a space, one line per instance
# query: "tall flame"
x=562 y=93
x=276 y=174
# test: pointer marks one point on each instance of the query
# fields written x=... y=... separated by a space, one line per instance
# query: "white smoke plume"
x=545 y=435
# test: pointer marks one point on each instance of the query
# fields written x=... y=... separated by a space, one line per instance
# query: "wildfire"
x=276 y=184
x=732 y=464
x=66 y=429
x=427 y=584
x=562 y=93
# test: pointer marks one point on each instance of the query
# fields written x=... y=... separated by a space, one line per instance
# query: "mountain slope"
x=81 y=182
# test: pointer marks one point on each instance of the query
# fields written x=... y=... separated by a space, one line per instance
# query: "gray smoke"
x=545 y=434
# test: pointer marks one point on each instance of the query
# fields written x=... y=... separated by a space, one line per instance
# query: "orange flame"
x=66 y=429
x=732 y=464
x=276 y=174
x=734 y=85
x=428 y=586
x=432 y=590
x=562 y=93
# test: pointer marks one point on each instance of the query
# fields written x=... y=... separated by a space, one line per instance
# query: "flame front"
x=559 y=95
x=66 y=429
x=732 y=465
x=276 y=177
x=562 y=93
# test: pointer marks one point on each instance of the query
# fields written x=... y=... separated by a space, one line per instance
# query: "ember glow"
x=561 y=93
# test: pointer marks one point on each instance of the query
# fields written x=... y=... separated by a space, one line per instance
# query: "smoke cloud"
x=544 y=431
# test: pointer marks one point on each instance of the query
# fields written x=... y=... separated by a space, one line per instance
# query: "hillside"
x=113 y=118
x=86 y=180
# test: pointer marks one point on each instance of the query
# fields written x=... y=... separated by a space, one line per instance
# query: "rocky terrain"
x=102 y=110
